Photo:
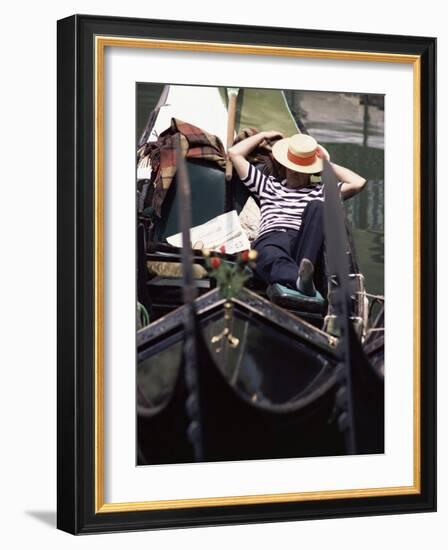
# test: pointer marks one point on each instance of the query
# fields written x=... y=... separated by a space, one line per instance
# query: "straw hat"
x=299 y=153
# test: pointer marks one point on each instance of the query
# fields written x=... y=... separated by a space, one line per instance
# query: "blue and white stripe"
x=280 y=206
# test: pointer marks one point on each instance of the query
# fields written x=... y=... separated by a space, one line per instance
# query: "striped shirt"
x=281 y=207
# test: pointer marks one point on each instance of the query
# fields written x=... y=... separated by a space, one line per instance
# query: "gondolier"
x=290 y=236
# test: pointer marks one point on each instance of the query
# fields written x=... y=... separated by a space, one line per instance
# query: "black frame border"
x=75 y=272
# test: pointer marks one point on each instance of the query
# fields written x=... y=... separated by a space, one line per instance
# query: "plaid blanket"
x=195 y=143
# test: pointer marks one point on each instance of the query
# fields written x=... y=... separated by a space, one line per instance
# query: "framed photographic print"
x=246 y=274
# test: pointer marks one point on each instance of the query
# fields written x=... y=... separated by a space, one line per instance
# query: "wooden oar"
x=232 y=94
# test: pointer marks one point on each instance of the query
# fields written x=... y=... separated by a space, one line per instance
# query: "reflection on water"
x=351 y=127
x=365 y=211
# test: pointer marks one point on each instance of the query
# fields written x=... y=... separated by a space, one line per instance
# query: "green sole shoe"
x=294 y=299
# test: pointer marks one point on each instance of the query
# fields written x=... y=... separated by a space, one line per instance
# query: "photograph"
x=236 y=207
x=260 y=307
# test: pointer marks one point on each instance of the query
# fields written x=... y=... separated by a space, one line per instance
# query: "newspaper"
x=224 y=230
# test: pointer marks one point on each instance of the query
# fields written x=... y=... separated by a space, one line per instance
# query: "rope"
x=144 y=315
x=374 y=296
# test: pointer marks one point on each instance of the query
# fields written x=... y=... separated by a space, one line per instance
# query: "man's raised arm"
x=238 y=153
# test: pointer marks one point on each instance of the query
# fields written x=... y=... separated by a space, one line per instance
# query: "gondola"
x=299 y=383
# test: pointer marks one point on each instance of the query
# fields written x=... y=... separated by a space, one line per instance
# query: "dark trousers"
x=280 y=252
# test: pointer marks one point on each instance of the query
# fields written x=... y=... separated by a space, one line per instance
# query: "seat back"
x=235 y=427
x=208 y=198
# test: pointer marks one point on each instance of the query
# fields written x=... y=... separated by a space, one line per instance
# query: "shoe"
x=305 y=283
x=294 y=299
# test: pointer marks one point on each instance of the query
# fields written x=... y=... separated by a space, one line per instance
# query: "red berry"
x=222 y=249
x=215 y=262
x=245 y=255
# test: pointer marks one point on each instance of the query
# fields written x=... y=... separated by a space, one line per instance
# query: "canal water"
x=351 y=127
